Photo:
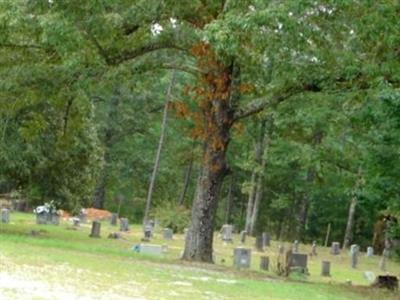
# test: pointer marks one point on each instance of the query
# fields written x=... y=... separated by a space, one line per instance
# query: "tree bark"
x=159 y=149
x=348 y=236
x=229 y=200
x=99 y=196
x=250 y=202
x=218 y=118
x=188 y=174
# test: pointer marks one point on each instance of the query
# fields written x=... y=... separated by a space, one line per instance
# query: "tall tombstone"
x=168 y=233
x=335 y=248
x=266 y=239
x=295 y=246
x=124 y=224
x=242 y=258
x=83 y=216
x=259 y=243
x=243 y=235
x=148 y=232
x=326 y=268
x=227 y=233
x=264 y=263
x=354 y=249
x=5 y=215
x=114 y=219
x=314 y=249
x=370 y=251
x=95 y=233
x=296 y=261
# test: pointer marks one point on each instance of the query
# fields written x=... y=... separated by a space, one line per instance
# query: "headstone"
x=295 y=247
x=47 y=218
x=354 y=249
x=226 y=233
x=326 y=268
x=150 y=249
x=314 y=249
x=297 y=261
x=5 y=216
x=95 y=233
x=370 y=276
x=83 y=216
x=148 y=229
x=370 y=251
x=76 y=221
x=266 y=239
x=241 y=257
x=281 y=250
x=243 y=235
x=124 y=224
x=259 y=243
x=168 y=234
x=264 y=263
x=335 y=248
x=114 y=219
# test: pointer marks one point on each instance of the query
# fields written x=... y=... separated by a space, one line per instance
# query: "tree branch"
x=260 y=104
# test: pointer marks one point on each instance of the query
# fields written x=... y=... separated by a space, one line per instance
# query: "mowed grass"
x=75 y=265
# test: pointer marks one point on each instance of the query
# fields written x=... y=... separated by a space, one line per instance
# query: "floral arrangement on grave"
x=48 y=208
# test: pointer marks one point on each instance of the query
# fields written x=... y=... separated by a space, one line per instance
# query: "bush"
x=175 y=217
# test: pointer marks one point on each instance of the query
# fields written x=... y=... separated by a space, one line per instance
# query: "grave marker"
x=259 y=243
x=326 y=268
x=226 y=233
x=264 y=263
x=5 y=216
x=168 y=234
x=95 y=233
x=242 y=257
x=354 y=249
x=124 y=224
x=370 y=251
x=114 y=219
x=335 y=248
x=296 y=246
x=296 y=261
x=314 y=249
x=243 y=236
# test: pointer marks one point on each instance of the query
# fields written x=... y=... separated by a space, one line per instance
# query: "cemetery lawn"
x=60 y=263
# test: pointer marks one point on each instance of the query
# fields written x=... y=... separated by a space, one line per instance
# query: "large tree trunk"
x=160 y=146
x=218 y=116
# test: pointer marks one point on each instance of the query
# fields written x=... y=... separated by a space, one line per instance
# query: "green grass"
x=79 y=264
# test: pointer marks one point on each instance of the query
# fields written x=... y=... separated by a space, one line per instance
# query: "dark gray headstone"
x=297 y=260
x=259 y=243
x=243 y=235
x=168 y=234
x=335 y=248
x=114 y=219
x=95 y=233
x=354 y=249
x=227 y=233
x=326 y=268
x=124 y=224
x=5 y=215
x=47 y=218
x=242 y=257
x=264 y=263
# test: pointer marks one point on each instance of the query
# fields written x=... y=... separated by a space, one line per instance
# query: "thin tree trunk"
x=348 y=236
x=188 y=174
x=250 y=202
x=160 y=146
x=229 y=199
x=99 y=196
